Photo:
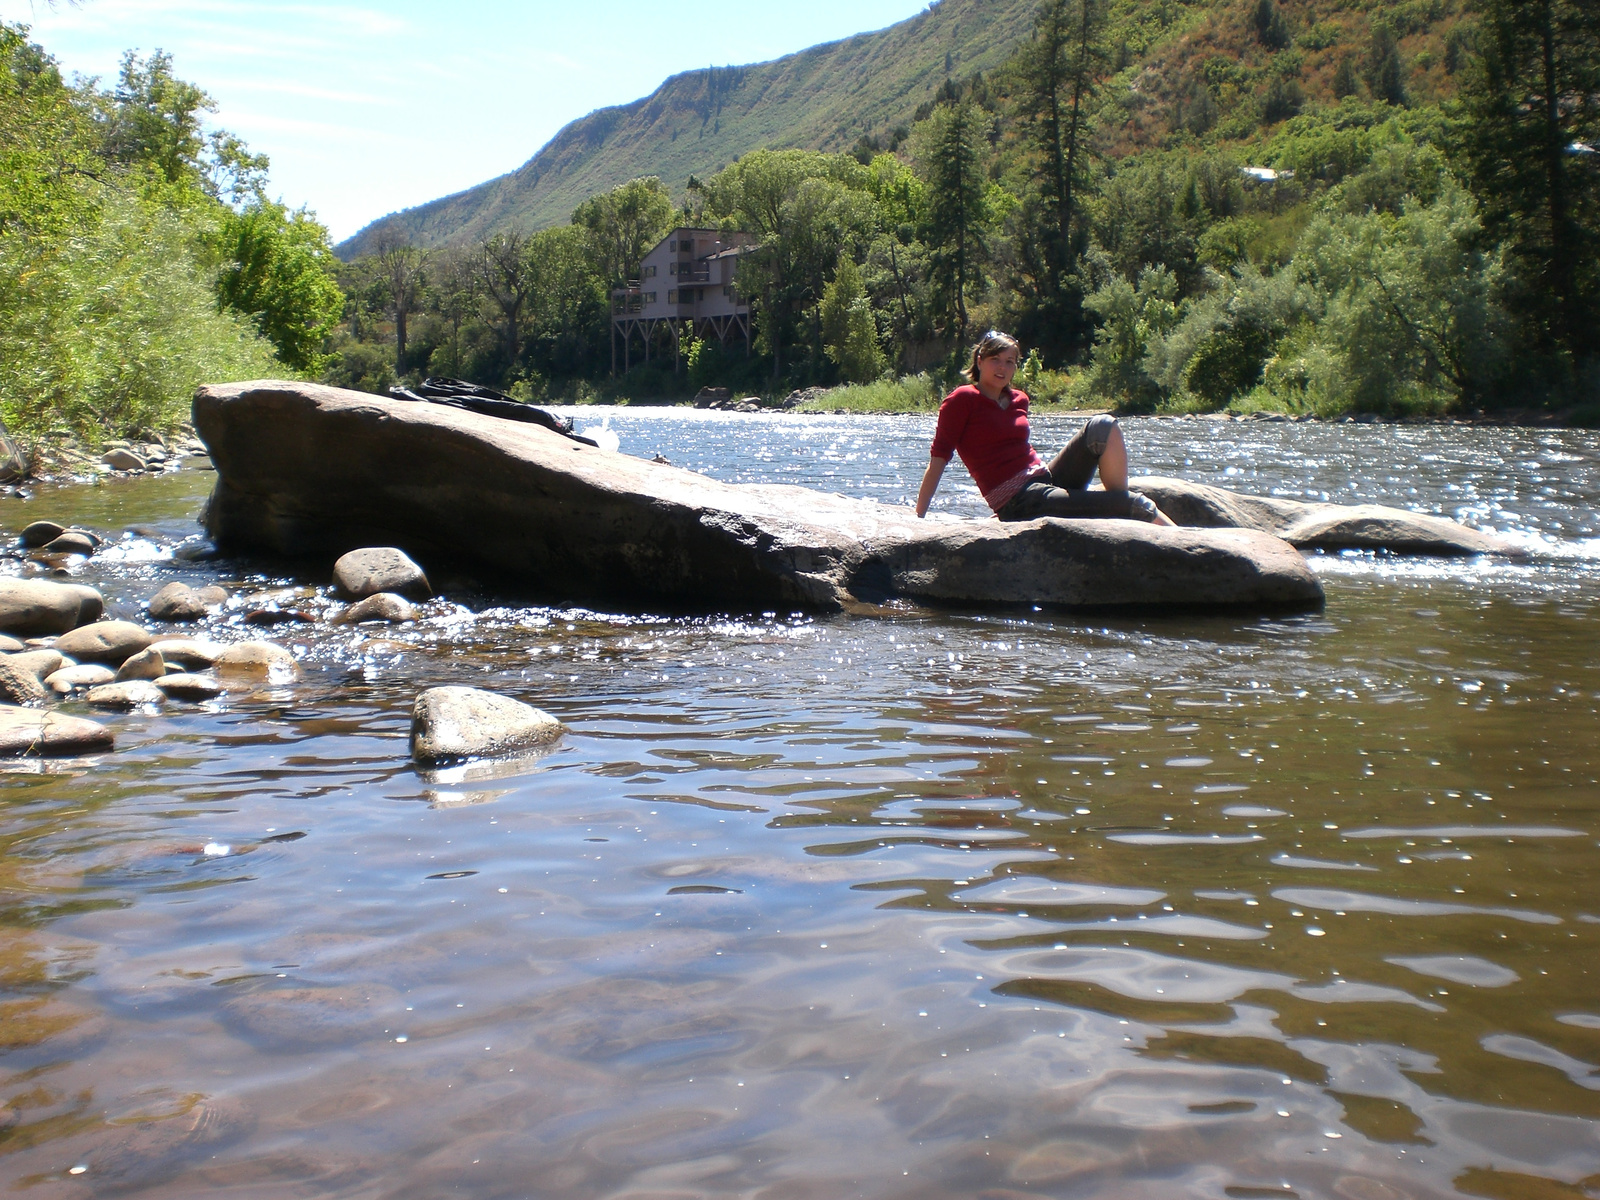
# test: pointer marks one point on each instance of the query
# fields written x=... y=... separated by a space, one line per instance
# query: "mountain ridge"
x=824 y=97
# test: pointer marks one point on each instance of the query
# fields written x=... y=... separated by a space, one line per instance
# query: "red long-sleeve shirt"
x=992 y=441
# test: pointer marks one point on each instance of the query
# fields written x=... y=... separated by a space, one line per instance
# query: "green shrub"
x=109 y=332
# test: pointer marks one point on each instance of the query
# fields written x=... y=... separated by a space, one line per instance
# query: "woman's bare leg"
x=1114 y=462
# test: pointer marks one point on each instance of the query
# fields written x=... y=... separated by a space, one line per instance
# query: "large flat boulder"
x=310 y=471
x=1313 y=526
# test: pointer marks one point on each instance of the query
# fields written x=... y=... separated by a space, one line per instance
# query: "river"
x=922 y=905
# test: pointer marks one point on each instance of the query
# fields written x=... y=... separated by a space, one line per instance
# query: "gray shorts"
x=1063 y=491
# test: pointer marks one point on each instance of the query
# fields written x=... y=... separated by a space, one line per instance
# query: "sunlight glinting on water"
x=914 y=904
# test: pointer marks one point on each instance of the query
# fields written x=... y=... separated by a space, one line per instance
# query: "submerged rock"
x=1320 y=526
x=257 y=660
x=190 y=687
x=451 y=723
x=376 y=569
x=310 y=470
x=40 y=606
x=112 y=642
x=384 y=606
x=30 y=731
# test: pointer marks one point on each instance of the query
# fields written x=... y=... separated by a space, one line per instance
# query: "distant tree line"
x=1381 y=254
x=139 y=254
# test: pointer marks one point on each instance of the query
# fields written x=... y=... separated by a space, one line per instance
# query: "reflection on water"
x=921 y=905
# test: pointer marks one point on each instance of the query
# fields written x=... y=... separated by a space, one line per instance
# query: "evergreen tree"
x=1272 y=31
x=951 y=156
x=1532 y=103
x=1386 y=75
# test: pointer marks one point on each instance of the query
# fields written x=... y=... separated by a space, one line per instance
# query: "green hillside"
x=1197 y=67
x=824 y=98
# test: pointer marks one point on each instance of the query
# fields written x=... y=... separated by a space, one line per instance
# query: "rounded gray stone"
x=112 y=642
x=41 y=662
x=18 y=685
x=383 y=606
x=73 y=541
x=177 y=602
x=123 y=460
x=34 y=732
x=363 y=573
x=86 y=675
x=450 y=723
x=132 y=693
x=188 y=653
x=31 y=607
x=40 y=533
x=147 y=664
x=257 y=660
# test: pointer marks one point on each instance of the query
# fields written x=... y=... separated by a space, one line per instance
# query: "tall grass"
x=909 y=393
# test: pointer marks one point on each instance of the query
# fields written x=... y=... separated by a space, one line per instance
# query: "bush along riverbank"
x=140 y=255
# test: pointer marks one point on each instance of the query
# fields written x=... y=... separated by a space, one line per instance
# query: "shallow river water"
x=916 y=905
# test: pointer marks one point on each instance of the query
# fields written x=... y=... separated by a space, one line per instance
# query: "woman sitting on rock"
x=986 y=422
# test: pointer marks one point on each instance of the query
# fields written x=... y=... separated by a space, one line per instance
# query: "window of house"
x=672 y=295
x=650 y=271
x=672 y=246
x=686 y=246
x=649 y=297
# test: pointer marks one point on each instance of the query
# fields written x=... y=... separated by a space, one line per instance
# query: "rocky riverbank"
x=57 y=647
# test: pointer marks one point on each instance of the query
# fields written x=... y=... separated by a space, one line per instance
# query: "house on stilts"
x=685 y=290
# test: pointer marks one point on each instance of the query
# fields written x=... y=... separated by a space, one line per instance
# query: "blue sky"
x=369 y=108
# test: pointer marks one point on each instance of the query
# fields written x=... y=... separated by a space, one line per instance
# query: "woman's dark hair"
x=990 y=344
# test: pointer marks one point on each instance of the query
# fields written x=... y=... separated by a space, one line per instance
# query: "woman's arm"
x=930 y=483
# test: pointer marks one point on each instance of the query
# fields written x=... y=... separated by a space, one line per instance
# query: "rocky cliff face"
x=312 y=472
